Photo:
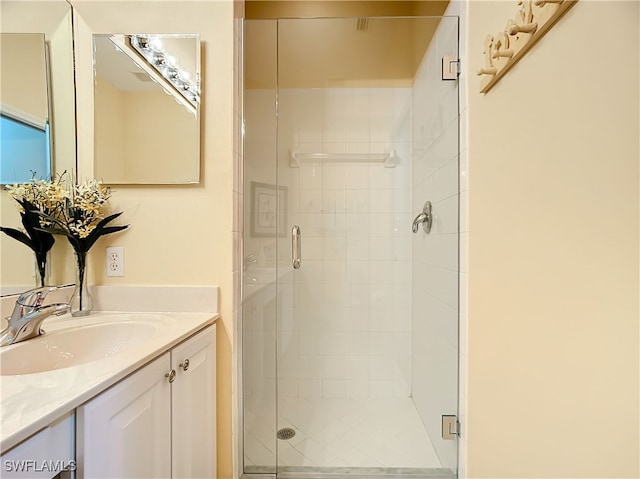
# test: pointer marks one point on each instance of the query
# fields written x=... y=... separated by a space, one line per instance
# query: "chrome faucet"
x=28 y=314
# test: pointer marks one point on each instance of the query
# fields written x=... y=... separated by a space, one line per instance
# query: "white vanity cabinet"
x=193 y=407
x=158 y=422
x=44 y=455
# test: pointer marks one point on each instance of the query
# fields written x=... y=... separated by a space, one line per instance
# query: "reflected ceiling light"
x=150 y=48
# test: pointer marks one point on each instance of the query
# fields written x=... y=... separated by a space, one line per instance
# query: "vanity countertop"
x=30 y=402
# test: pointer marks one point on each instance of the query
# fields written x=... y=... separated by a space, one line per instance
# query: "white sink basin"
x=76 y=343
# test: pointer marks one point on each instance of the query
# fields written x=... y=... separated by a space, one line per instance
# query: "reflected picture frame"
x=266 y=218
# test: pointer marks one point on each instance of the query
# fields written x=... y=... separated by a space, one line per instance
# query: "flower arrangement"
x=81 y=219
x=80 y=216
x=34 y=199
x=55 y=207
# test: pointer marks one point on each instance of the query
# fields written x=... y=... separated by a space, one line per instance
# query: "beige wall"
x=553 y=250
x=179 y=235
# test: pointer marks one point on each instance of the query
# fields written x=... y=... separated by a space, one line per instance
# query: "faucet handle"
x=35 y=297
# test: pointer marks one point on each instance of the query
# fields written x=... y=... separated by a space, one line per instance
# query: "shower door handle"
x=296 y=247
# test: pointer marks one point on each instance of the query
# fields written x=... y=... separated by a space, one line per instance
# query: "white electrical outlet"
x=115 y=261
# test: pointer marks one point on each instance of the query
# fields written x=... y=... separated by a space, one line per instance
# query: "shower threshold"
x=310 y=472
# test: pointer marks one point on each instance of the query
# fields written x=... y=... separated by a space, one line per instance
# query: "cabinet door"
x=43 y=455
x=194 y=407
x=125 y=431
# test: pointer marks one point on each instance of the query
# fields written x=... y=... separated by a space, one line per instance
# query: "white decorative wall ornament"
x=504 y=49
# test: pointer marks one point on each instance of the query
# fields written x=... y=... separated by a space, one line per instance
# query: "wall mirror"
x=146 y=94
x=46 y=24
x=25 y=147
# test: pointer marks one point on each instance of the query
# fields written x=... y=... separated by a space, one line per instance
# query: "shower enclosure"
x=349 y=333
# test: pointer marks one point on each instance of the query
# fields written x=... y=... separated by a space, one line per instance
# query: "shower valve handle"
x=425 y=218
x=421 y=218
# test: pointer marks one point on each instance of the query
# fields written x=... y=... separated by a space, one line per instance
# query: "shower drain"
x=286 y=433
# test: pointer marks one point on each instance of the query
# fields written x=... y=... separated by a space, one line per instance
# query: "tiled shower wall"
x=352 y=296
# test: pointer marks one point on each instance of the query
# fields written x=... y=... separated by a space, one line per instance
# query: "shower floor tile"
x=360 y=433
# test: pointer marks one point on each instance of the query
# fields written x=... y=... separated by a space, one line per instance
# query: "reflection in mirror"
x=24 y=108
x=147 y=109
x=50 y=20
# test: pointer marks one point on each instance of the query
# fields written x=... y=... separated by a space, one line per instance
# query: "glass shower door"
x=259 y=288
x=367 y=326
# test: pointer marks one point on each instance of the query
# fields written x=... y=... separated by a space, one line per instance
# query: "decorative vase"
x=81 y=302
x=42 y=272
